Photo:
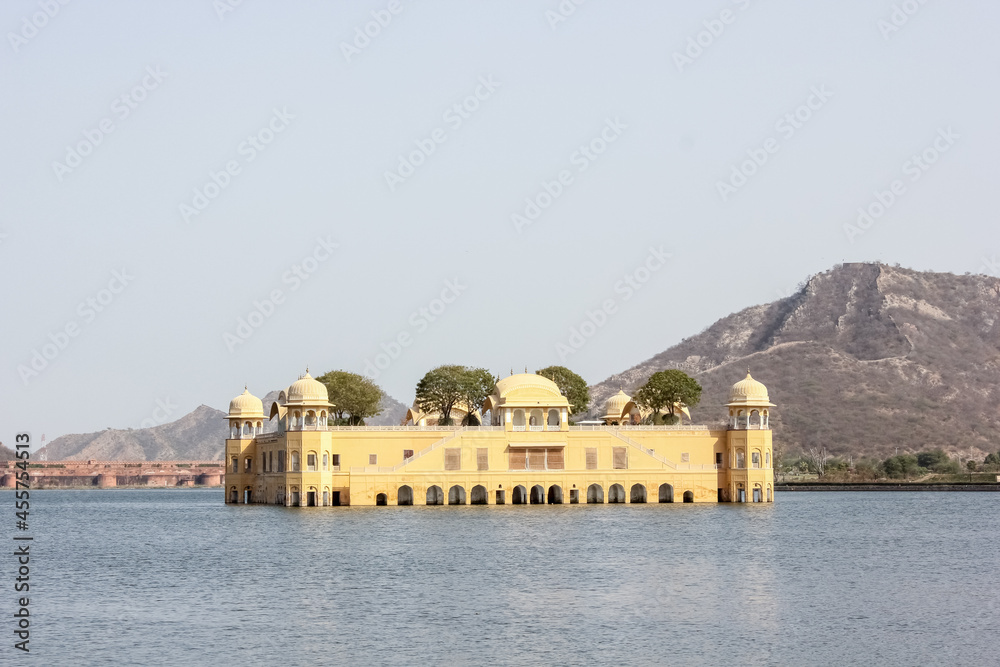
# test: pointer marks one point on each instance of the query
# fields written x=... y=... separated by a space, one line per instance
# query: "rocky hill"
x=6 y=453
x=198 y=435
x=863 y=359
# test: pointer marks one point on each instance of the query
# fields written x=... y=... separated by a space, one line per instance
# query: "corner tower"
x=246 y=422
x=750 y=459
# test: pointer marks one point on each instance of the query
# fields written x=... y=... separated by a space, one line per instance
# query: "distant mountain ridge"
x=197 y=436
x=863 y=359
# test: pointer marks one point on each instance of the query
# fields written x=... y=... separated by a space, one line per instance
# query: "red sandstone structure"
x=109 y=474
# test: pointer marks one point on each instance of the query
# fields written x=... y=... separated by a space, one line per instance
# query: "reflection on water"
x=154 y=577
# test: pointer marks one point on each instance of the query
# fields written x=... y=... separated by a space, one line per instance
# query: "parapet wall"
x=108 y=474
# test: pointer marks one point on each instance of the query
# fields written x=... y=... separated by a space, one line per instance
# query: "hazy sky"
x=469 y=179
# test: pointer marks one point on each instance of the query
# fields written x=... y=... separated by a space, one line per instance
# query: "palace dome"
x=748 y=390
x=246 y=405
x=307 y=390
x=527 y=383
x=616 y=404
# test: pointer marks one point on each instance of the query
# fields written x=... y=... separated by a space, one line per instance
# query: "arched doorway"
x=538 y=495
x=519 y=495
x=435 y=496
x=478 y=495
x=456 y=495
x=555 y=495
x=247 y=496
x=404 y=496
x=689 y=496
x=233 y=495
x=381 y=500
x=666 y=493
x=595 y=494
x=758 y=494
x=616 y=494
x=769 y=499
x=638 y=493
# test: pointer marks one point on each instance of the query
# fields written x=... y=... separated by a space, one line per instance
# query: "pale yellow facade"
x=527 y=452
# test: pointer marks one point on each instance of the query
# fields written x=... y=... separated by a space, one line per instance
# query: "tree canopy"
x=439 y=390
x=354 y=397
x=477 y=385
x=571 y=385
x=665 y=389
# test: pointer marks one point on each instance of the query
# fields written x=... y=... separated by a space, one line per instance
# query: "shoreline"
x=888 y=486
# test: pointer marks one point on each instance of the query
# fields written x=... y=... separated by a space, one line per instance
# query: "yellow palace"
x=526 y=452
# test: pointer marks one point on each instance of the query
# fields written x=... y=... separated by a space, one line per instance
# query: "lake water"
x=176 y=577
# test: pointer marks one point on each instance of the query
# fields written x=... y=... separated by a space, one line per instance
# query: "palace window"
x=483 y=458
x=373 y=459
x=281 y=461
x=311 y=462
x=591 y=458
x=740 y=459
x=236 y=464
x=554 y=459
x=295 y=461
x=453 y=458
x=326 y=465
x=718 y=458
x=619 y=458
x=336 y=461
x=755 y=459
x=518 y=459
x=248 y=464
x=536 y=459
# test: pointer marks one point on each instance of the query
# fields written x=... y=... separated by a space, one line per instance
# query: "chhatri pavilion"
x=525 y=452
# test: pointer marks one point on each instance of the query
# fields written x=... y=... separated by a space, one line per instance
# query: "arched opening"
x=435 y=496
x=595 y=494
x=741 y=459
x=381 y=500
x=666 y=493
x=553 y=420
x=555 y=495
x=404 y=496
x=758 y=495
x=311 y=462
x=538 y=495
x=741 y=494
x=518 y=420
x=247 y=428
x=637 y=493
x=233 y=495
x=689 y=496
x=478 y=495
x=754 y=419
x=536 y=418
x=326 y=496
x=247 y=496
x=755 y=459
x=767 y=459
x=310 y=418
x=295 y=461
x=326 y=460
x=311 y=497
x=769 y=499
x=456 y=495
x=296 y=419
x=616 y=494
x=519 y=496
